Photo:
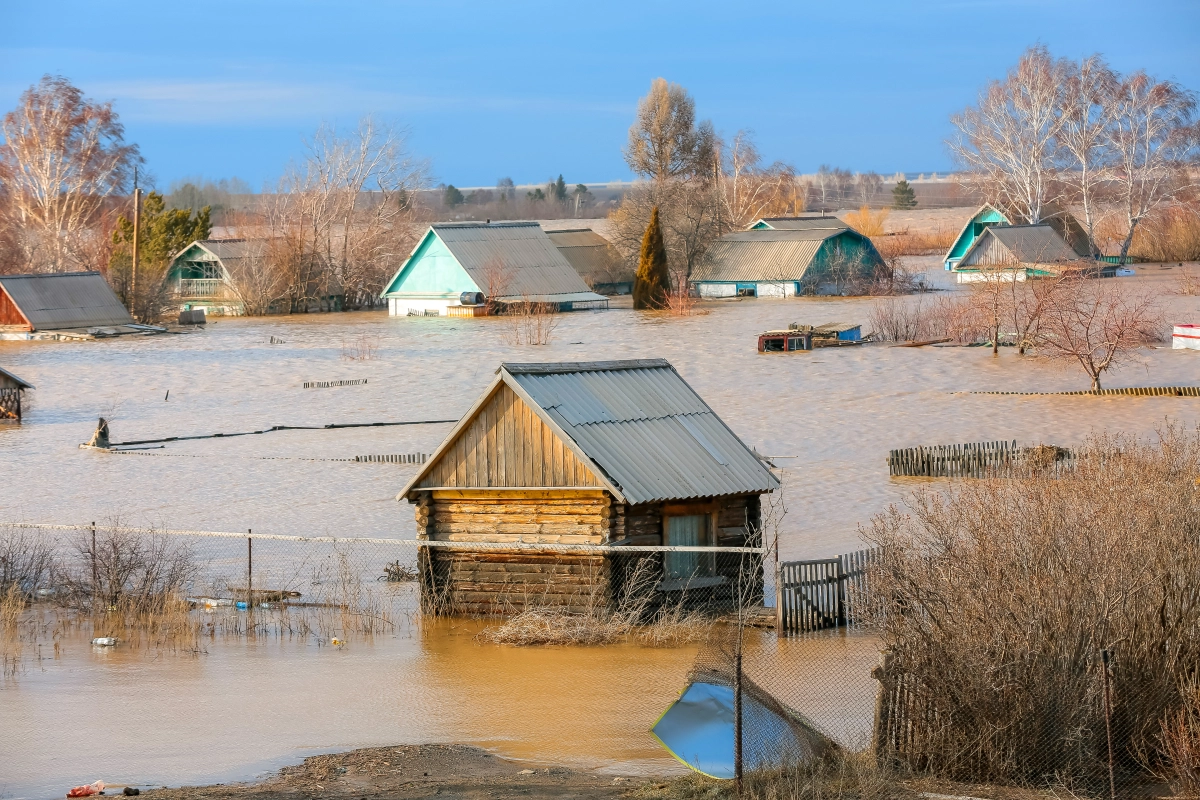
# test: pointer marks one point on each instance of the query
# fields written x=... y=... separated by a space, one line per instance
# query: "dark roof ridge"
x=554 y=367
x=49 y=274
x=498 y=224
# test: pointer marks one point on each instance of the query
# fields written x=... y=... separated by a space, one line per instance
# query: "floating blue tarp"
x=698 y=730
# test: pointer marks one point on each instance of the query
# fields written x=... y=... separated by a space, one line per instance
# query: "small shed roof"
x=764 y=254
x=1028 y=244
x=645 y=432
x=801 y=223
x=536 y=267
x=12 y=381
x=65 y=300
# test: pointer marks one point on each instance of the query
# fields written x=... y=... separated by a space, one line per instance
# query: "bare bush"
x=529 y=322
x=26 y=562
x=1180 y=741
x=895 y=319
x=867 y=223
x=125 y=572
x=1187 y=282
x=364 y=347
x=996 y=598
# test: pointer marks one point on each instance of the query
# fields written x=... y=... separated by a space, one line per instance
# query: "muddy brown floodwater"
x=241 y=708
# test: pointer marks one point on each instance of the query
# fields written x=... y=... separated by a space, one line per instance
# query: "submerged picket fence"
x=332 y=384
x=823 y=593
x=971 y=460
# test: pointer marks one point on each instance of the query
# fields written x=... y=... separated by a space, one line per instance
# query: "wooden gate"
x=823 y=593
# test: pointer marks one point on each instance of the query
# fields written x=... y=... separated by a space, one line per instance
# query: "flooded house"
x=824 y=258
x=462 y=268
x=63 y=305
x=1021 y=252
x=602 y=456
x=987 y=216
x=200 y=277
x=595 y=259
x=11 y=388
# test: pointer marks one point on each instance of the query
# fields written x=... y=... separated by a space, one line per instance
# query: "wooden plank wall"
x=499 y=583
x=544 y=517
x=507 y=445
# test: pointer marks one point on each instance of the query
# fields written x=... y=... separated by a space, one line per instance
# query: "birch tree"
x=1154 y=141
x=1008 y=140
x=1085 y=130
x=62 y=155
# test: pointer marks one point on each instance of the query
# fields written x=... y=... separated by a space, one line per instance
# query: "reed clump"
x=998 y=600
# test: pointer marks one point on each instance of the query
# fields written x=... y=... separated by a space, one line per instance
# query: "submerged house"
x=595 y=259
x=774 y=262
x=200 y=276
x=11 y=388
x=805 y=223
x=1020 y=252
x=607 y=454
x=63 y=305
x=462 y=264
x=988 y=216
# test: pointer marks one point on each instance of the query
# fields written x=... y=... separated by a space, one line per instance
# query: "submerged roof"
x=1068 y=227
x=592 y=256
x=1028 y=244
x=802 y=223
x=533 y=265
x=63 y=300
x=765 y=254
x=638 y=424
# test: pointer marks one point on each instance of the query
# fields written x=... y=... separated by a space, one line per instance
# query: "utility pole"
x=137 y=224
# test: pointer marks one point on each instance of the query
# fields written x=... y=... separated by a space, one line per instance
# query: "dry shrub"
x=841 y=776
x=1180 y=741
x=921 y=318
x=1188 y=282
x=679 y=300
x=364 y=347
x=124 y=571
x=909 y=243
x=1171 y=235
x=25 y=562
x=867 y=223
x=529 y=322
x=995 y=599
x=591 y=618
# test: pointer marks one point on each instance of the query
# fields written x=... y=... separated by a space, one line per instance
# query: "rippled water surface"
x=830 y=417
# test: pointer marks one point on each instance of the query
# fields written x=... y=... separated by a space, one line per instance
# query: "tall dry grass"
x=914 y=243
x=866 y=222
x=1171 y=235
x=994 y=600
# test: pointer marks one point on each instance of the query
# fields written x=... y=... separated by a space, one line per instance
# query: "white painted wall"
x=781 y=289
x=717 y=289
x=1186 y=337
x=401 y=306
x=1007 y=276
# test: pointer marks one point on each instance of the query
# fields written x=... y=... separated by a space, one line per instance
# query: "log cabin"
x=606 y=455
x=11 y=388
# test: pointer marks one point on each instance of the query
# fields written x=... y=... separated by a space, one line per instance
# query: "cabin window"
x=747 y=290
x=692 y=530
x=795 y=343
x=774 y=344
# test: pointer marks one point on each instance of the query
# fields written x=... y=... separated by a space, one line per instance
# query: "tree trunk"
x=1128 y=239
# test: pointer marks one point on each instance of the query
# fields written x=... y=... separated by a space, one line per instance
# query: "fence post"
x=95 y=569
x=249 y=571
x=778 y=600
x=840 y=619
x=737 y=716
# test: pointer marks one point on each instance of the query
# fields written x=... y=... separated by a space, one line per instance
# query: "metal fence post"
x=95 y=569
x=249 y=573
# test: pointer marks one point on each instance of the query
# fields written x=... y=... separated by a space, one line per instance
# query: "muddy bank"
x=443 y=771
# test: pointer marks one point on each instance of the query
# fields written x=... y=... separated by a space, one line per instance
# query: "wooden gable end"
x=507 y=445
x=10 y=315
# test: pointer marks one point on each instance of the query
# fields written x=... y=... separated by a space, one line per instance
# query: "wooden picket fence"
x=972 y=460
x=332 y=384
x=1132 y=391
x=823 y=593
x=394 y=458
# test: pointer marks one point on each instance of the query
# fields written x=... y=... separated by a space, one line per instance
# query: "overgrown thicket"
x=996 y=599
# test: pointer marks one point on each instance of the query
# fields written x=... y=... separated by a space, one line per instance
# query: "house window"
x=747 y=290
x=692 y=530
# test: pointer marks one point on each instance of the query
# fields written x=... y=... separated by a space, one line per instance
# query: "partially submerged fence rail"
x=394 y=458
x=971 y=460
x=822 y=593
x=332 y=384
x=1134 y=391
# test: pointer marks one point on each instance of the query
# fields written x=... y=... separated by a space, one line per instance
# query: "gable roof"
x=1064 y=223
x=1028 y=244
x=641 y=429
x=65 y=300
x=592 y=256
x=765 y=254
x=21 y=384
x=801 y=223
x=536 y=268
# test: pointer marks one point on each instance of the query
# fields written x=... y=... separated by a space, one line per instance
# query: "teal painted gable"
x=190 y=265
x=761 y=226
x=973 y=230
x=432 y=270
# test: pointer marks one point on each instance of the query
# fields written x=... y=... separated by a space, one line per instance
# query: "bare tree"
x=1009 y=140
x=62 y=155
x=1154 y=141
x=868 y=185
x=1087 y=115
x=750 y=191
x=664 y=141
x=1097 y=325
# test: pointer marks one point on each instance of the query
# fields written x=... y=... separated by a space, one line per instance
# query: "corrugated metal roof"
x=56 y=301
x=803 y=223
x=644 y=427
x=761 y=255
x=592 y=256
x=233 y=249
x=533 y=265
x=1029 y=244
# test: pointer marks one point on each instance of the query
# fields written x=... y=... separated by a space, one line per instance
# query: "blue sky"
x=531 y=90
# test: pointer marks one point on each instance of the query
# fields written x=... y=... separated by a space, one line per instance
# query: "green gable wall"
x=180 y=268
x=761 y=226
x=973 y=230
x=431 y=270
x=854 y=246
